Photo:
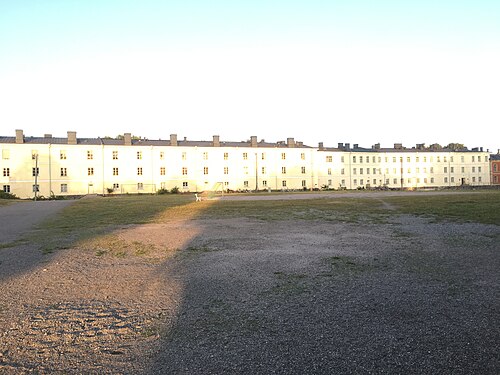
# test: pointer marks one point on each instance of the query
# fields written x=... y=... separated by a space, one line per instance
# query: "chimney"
x=300 y=144
x=290 y=142
x=347 y=146
x=356 y=145
x=127 y=139
x=71 y=138
x=173 y=139
x=320 y=146
x=19 y=136
x=340 y=145
x=376 y=146
x=398 y=146
x=253 y=141
x=47 y=136
x=216 y=141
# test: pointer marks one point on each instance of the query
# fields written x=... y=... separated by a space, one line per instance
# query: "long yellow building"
x=78 y=166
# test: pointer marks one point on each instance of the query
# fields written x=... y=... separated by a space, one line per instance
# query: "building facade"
x=495 y=168
x=79 y=166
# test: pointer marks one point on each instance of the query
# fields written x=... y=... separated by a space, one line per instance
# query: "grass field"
x=88 y=218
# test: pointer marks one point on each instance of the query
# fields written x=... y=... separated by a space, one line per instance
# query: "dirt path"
x=19 y=217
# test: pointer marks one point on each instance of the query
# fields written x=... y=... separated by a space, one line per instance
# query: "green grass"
x=479 y=207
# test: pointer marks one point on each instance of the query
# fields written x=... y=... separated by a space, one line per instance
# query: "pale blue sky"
x=320 y=71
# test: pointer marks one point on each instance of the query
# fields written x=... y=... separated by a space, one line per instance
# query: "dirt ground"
x=249 y=296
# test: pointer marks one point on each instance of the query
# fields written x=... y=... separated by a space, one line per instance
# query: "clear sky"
x=354 y=71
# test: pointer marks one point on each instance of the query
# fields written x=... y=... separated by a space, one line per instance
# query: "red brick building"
x=495 y=169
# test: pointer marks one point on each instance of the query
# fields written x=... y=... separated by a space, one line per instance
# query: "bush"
x=175 y=190
x=5 y=195
x=110 y=190
x=162 y=191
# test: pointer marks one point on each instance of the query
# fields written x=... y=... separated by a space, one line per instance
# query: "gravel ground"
x=260 y=297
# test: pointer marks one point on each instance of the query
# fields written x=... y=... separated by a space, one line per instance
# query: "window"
x=283 y=156
x=342 y=171
x=34 y=154
x=361 y=159
x=361 y=182
x=64 y=188
x=438 y=159
x=479 y=179
x=462 y=159
x=35 y=171
x=6 y=188
x=162 y=155
x=185 y=184
x=245 y=156
x=452 y=179
x=140 y=186
x=184 y=171
x=473 y=169
x=395 y=181
x=263 y=170
x=263 y=156
x=116 y=186
x=329 y=158
x=303 y=156
x=162 y=171
x=303 y=169
x=283 y=170
x=374 y=170
x=226 y=155
x=342 y=159
x=264 y=183
x=226 y=170
x=452 y=169
x=64 y=172
x=432 y=180
x=245 y=184
x=417 y=170
x=6 y=172
x=283 y=183
x=463 y=169
x=444 y=159
x=360 y=170
x=5 y=154
x=184 y=156
x=394 y=159
x=446 y=179
x=495 y=167
x=432 y=170
x=90 y=155
x=90 y=171
x=354 y=171
x=473 y=158
x=479 y=158
x=115 y=171
x=205 y=156
x=354 y=159
x=36 y=188
x=115 y=155
x=474 y=179
x=417 y=159
x=445 y=169
x=62 y=155
x=139 y=171
x=479 y=169
x=343 y=182
x=374 y=182
x=245 y=169
x=303 y=183
x=330 y=171
x=139 y=155
x=408 y=159
x=205 y=170
x=355 y=182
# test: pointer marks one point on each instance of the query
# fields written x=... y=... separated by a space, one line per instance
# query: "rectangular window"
x=6 y=188
x=341 y=159
x=342 y=171
x=445 y=159
x=452 y=169
x=263 y=156
x=90 y=155
x=374 y=170
x=354 y=171
x=303 y=156
x=393 y=159
x=303 y=183
x=5 y=154
x=139 y=171
x=139 y=155
x=395 y=181
x=162 y=155
x=184 y=156
x=355 y=182
x=34 y=154
x=205 y=170
x=474 y=179
x=283 y=170
x=35 y=172
x=452 y=179
x=140 y=186
x=360 y=169
x=479 y=158
x=479 y=179
x=432 y=169
x=462 y=159
x=116 y=186
x=479 y=169
x=343 y=182
x=185 y=184
x=361 y=159
x=329 y=158
x=162 y=171
x=473 y=169
x=226 y=155
x=283 y=156
x=329 y=171
x=64 y=188
x=245 y=184
x=473 y=158
x=6 y=172
x=64 y=172
x=354 y=159
x=263 y=170
x=205 y=156
x=184 y=171
x=446 y=179
x=361 y=182
x=115 y=155
x=62 y=155
x=226 y=170
x=245 y=169
x=90 y=171
x=408 y=160
x=303 y=169
x=432 y=180
x=283 y=183
x=445 y=169
x=245 y=156
x=264 y=183
x=463 y=169
x=36 y=188
x=115 y=171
